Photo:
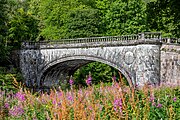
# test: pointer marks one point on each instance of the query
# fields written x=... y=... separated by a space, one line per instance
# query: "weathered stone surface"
x=47 y=67
x=170 y=63
x=140 y=58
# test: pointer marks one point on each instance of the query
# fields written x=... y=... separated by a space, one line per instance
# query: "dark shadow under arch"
x=72 y=63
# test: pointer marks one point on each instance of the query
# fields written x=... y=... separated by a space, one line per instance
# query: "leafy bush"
x=9 y=80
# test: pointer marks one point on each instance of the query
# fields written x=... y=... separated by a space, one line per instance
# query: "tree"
x=67 y=19
x=164 y=16
x=122 y=16
x=82 y=22
x=23 y=25
x=17 y=24
x=90 y=3
x=3 y=30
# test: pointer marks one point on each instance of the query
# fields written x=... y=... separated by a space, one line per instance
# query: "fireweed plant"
x=116 y=101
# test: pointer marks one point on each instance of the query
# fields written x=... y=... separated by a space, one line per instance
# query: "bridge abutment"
x=148 y=64
x=170 y=63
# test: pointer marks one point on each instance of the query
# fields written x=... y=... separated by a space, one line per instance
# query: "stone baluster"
x=142 y=36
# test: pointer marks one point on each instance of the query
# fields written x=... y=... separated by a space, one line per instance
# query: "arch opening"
x=59 y=71
x=99 y=72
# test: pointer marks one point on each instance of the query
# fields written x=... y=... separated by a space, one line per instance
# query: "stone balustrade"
x=146 y=37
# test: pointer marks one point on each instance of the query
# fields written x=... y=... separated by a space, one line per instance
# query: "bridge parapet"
x=146 y=38
x=170 y=40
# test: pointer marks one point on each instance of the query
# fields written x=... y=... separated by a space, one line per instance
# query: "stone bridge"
x=137 y=57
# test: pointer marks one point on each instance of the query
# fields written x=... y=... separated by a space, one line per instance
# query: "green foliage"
x=67 y=19
x=52 y=15
x=3 y=31
x=3 y=19
x=6 y=82
x=8 y=79
x=122 y=17
x=82 y=22
x=16 y=25
x=163 y=15
x=100 y=73
x=23 y=25
x=4 y=53
x=169 y=98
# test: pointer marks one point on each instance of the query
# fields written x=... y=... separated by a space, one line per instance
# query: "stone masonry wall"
x=139 y=63
x=170 y=63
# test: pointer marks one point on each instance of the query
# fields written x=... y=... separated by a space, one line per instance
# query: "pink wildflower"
x=6 y=105
x=153 y=104
x=88 y=81
x=16 y=111
x=114 y=78
x=54 y=101
x=174 y=99
x=118 y=105
x=59 y=94
x=20 y=96
x=70 y=98
x=152 y=98
x=90 y=108
x=59 y=103
x=159 y=105
x=71 y=81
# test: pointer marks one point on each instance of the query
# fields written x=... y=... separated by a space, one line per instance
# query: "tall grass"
x=116 y=101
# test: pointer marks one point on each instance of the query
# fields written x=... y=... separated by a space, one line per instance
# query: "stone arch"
x=87 y=60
